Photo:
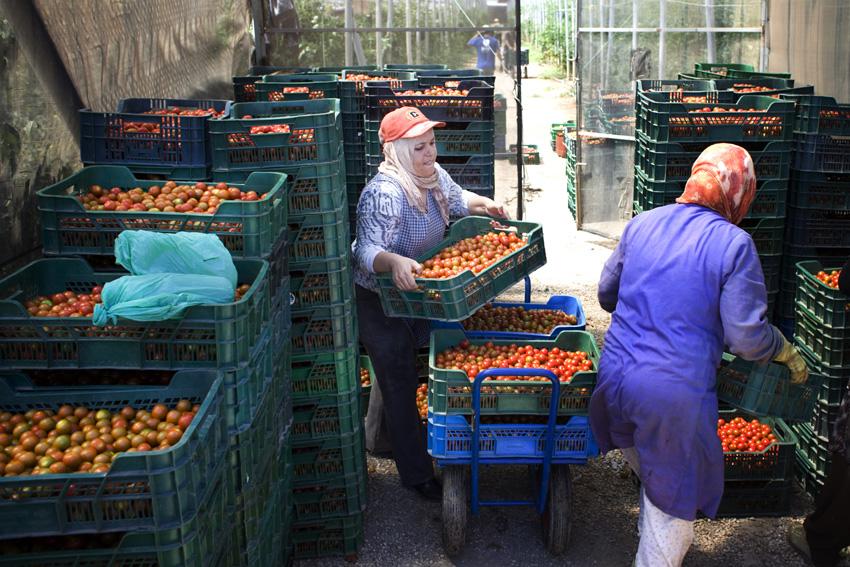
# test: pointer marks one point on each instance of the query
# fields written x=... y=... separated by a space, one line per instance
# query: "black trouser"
x=392 y=413
x=828 y=527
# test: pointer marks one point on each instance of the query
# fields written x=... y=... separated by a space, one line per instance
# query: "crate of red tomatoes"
x=85 y=213
x=153 y=134
x=451 y=286
x=765 y=390
x=818 y=293
x=521 y=321
x=756 y=448
x=456 y=360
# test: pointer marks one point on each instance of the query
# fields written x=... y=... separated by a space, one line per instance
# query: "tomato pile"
x=170 y=198
x=362 y=77
x=422 y=400
x=742 y=435
x=174 y=111
x=141 y=128
x=746 y=88
x=517 y=319
x=435 y=91
x=472 y=359
x=269 y=128
x=829 y=279
x=365 y=377
x=475 y=253
x=69 y=304
x=77 y=439
x=64 y=304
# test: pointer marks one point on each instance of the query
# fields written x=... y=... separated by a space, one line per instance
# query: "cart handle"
x=550 y=426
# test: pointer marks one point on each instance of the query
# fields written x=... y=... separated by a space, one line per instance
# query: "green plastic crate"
x=673 y=161
x=818 y=190
x=772 y=86
x=323 y=329
x=314 y=136
x=352 y=92
x=765 y=391
x=416 y=67
x=456 y=298
x=262 y=546
x=529 y=157
x=771 y=120
x=220 y=335
x=776 y=462
x=156 y=490
x=322 y=284
x=248 y=229
x=809 y=479
x=820 y=115
x=813 y=448
x=328 y=458
x=322 y=417
x=450 y=391
x=256 y=501
x=825 y=304
x=453 y=139
x=339 y=69
x=719 y=70
x=245 y=389
x=322 y=499
x=477 y=106
x=823 y=421
x=318 y=237
x=750 y=75
x=834 y=380
x=766 y=233
x=829 y=345
x=331 y=372
x=281 y=320
x=336 y=536
x=274 y=88
x=202 y=541
x=756 y=498
x=680 y=85
x=254 y=447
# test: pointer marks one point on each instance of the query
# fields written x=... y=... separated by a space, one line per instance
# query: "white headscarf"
x=398 y=164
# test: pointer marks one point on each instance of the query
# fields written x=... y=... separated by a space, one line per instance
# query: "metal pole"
x=407 y=37
x=379 y=36
x=349 y=23
x=259 y=36
x=662 y=41
x=709 y=35
x=418 y=33
x=519 y=196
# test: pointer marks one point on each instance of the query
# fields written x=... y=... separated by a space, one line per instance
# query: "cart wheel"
x=557 y=517
x=455 y=500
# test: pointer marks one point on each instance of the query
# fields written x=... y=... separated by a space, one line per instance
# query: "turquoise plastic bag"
x=146 y=252
x=156 y=297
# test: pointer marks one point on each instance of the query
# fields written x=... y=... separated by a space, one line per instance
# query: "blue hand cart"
x=548 y=450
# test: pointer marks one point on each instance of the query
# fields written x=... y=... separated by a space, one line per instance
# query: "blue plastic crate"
x=170 y=140
x=566 y=303
x=450 y=437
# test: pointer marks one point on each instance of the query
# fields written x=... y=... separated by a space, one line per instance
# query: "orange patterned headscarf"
x=724 y=180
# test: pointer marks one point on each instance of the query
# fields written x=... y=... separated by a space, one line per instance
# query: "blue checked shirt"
x=387 y=223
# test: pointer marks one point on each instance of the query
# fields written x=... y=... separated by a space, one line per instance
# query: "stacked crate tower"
x=200 y=492
x=817 y=238
x=318 y=333
x=671 y=133
x=352 y=96
x=465 y=145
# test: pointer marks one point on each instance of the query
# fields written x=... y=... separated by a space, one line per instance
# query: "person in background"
x=487 y=48
x=683 y=282
x=826 y=531
x=509 y=52
x=402 y=212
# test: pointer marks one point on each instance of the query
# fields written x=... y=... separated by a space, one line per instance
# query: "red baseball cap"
x=405 y=122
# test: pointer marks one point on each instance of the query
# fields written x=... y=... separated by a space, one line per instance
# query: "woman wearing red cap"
x=403 y=211
x=683 y=282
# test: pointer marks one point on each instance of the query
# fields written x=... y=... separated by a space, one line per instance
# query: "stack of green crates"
x=222 y=350
x=818 y=194
x=500 y=109
x=670 y=134
x=353 y=108
x=318 y=334
x=822 y=336
x=465 y=145
x=617 y=111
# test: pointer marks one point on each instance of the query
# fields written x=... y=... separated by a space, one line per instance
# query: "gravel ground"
x=402 y=530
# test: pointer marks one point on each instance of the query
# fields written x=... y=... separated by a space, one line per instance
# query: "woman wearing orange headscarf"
x=683 y=282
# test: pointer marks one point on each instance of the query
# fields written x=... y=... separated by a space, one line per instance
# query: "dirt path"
x=402 y=530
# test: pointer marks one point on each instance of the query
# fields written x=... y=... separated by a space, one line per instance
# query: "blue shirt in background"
x=487 y=48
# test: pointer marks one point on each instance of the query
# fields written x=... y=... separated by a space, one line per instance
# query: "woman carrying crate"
x=683 y=282
x=402 y=212
x=826 y=531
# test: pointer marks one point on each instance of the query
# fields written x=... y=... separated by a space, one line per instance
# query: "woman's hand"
x=401 y=267
x=483 y=206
